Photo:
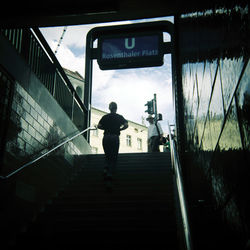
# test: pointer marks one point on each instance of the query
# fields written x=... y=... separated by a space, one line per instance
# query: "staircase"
x=138 y=213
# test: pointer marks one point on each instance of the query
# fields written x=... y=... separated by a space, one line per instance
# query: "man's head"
x=113 y=107
x=150 y=119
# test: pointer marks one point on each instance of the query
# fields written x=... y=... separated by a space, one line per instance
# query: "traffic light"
x=150 y=109
x=159 y=117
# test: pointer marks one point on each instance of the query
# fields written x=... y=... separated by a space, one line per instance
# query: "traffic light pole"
x=155 y=109
x=152 y=109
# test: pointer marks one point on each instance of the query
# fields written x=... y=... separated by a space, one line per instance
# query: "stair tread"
x=142 y=200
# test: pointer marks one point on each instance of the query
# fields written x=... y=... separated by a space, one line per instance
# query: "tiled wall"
x=37 y=129
x=33 y=131
x=216 y=96
x=35 y=123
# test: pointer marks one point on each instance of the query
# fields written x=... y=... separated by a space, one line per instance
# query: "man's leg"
x=106 y=148
x=155 y=144
x=111 y=148
x=150 y=145
x=115 y=149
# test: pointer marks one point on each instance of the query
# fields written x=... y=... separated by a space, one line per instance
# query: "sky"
x=129 y=88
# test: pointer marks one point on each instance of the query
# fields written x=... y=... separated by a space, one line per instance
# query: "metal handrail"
x=43 y=155
x=181 y=193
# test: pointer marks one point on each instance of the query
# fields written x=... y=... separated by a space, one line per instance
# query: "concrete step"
x=141 y=202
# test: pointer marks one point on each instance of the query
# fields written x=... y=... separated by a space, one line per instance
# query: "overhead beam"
x=57 y=13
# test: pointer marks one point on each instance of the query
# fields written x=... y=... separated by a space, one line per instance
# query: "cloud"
x=132 y=88
x=68 y=59
x=101 y=79
x=71 y=53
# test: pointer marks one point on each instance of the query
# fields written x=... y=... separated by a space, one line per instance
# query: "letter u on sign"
x=129 y=44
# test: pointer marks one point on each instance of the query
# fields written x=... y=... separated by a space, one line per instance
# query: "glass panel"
x=195 y=98
x=188 y=86
x=230 y=138
x=243 y=98
x=213 y=67
x=207 y=138
x=216 y=111
x=185 y=79
x=230 y=72
x=205 y=88
x=228 y=163
x=199 y=76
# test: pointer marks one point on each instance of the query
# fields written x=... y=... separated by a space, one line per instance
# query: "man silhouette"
x=112 y=124
x=154 y=135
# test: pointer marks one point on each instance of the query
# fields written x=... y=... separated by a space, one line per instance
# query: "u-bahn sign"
x=130 y=50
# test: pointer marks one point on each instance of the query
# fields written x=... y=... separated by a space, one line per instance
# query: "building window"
x=94 y=150
x=139 y=143
x=95 y=132
x=128 y=140
x=79 y=91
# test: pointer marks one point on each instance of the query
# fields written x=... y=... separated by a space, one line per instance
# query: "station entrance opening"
x=126 y=46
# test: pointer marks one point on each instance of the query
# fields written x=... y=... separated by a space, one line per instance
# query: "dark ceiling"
x=55 y=13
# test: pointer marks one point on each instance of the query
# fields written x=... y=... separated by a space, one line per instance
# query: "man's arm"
x=100 y=126
x=160 y=129
x=124 y=126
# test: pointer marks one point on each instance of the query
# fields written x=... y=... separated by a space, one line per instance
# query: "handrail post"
x=72 y=106
x=181 y=193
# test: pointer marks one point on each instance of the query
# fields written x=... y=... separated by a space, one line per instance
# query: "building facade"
x=132 y=140
x=77 y=81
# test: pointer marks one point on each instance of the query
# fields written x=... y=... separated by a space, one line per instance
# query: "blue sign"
x=130 y=52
